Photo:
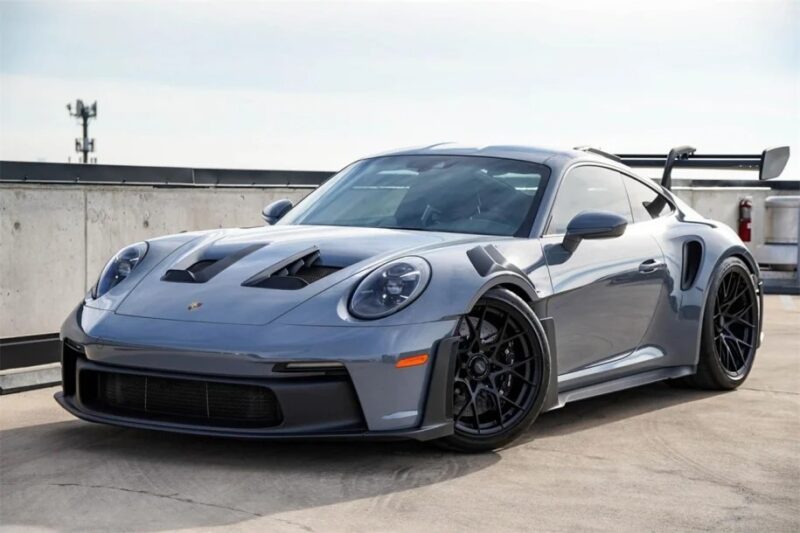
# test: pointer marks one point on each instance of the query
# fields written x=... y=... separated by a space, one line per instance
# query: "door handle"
x=651 y=265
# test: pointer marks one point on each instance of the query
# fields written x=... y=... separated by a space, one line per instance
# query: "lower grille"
x=180 y=400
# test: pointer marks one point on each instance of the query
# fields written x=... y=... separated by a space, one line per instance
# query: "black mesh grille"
x=181 y=400
x=314 y=273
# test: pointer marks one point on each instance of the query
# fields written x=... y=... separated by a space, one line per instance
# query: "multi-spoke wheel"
x=730 y=329
x=734 y=322
x=501 y=374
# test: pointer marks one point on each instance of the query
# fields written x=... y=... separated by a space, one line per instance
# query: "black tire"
x=731 y=329
x=503 y=367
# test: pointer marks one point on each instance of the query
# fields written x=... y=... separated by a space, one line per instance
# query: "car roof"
x=554 y=158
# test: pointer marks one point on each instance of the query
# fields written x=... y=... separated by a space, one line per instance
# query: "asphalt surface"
x=653 y=458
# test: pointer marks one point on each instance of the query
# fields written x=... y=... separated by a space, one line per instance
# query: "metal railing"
x=65 y=173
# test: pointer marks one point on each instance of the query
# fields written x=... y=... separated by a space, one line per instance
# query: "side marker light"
x=413 y=360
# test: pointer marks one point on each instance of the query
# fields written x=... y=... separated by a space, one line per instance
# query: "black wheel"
x=501 y=373
x=730 y=329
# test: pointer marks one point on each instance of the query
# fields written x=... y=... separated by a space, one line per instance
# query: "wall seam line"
x=85 y=242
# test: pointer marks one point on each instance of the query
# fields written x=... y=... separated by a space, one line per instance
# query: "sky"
x=314 y=86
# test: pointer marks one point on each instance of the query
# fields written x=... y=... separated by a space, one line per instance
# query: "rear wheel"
x=501 y=375
x=730 y=329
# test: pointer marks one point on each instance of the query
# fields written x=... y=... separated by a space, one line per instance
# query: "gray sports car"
x=444 y=293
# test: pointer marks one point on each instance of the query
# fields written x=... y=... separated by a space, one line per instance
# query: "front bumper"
x=370 y=398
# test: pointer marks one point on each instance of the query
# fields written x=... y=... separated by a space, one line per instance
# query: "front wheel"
x=502 y=372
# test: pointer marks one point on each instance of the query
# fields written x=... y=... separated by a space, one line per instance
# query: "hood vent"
x=204 y=269
x=294 y=273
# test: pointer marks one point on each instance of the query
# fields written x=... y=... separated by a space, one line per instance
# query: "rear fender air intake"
x=692 y=259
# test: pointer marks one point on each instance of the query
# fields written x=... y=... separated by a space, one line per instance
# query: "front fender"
x=456 y=284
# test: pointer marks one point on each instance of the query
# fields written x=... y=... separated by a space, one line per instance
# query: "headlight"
x=119 y=267
x=390 y=288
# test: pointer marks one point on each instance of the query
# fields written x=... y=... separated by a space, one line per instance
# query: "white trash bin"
x=781 y=250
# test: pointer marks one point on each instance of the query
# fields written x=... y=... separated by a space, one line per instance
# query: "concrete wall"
x=55 y=239
x=722 y=204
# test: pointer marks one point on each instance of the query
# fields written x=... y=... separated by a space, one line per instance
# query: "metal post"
x=797 y=264
x=84 y=145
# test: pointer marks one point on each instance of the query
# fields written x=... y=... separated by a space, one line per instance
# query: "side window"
x=585 y=188
x=646 y=203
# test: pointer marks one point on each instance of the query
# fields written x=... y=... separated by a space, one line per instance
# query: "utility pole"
x=84 y=112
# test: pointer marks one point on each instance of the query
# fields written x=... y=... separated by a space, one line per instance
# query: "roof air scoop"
x=294 y=273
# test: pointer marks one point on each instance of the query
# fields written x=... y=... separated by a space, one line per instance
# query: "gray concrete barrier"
x=54 y=239
x=57 y=231
x=722 y=204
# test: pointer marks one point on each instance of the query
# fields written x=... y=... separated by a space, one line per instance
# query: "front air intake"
x=181 y=400
x=294 y=273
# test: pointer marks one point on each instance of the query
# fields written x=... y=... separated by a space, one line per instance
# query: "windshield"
x=462 y=194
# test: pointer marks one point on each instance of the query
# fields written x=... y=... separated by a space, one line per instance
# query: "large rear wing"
x=769 y=163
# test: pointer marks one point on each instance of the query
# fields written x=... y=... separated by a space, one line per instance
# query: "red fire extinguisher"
x=745 y=219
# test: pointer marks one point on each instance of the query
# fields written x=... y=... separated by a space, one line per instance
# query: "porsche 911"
x=441 y=293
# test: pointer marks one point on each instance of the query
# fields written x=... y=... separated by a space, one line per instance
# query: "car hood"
x=229 y=276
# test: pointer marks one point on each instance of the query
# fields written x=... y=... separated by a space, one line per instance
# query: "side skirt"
x=623 y=383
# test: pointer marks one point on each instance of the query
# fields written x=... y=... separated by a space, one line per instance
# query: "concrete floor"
x=654 y=458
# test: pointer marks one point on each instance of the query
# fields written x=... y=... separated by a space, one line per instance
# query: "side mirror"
x=276 y=210
x=593 y=225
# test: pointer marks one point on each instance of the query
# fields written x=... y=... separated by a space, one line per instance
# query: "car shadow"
x=77 y=476
x=587 y=414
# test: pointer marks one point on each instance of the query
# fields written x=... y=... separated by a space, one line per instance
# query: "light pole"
x=84 y=112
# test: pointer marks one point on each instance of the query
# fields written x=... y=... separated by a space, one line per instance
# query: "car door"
x=604 y=292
